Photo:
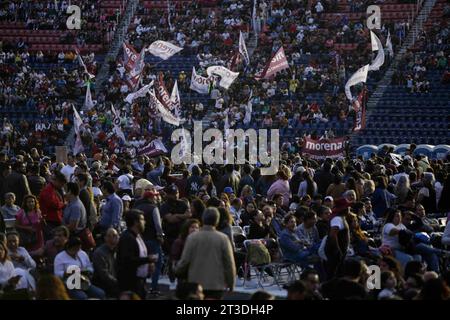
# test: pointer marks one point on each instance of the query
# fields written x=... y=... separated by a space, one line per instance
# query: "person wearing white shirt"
x=72 y=263
x=69 y=169
x=125 y=183
x=22 y=262
x=8 y=276
x=390 y=236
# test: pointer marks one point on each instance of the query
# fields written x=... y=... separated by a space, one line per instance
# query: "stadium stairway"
x=397 y=116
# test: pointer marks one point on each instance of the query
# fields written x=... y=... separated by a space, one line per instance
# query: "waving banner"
x=376 y=45
x=276 y=64
x=162 y=94
x=175 y=100
x=163 y=49
x=138 y=94
x=130 y=56
x=116 y=124
x=324 y=148
x=166 y=115
x=243 y=48
x=389 y=45
x=226 y=76
x=88 y=103
x=198 y=83
x=134 y=75
x=152 y=149
x=77 y=123
x=359 y=105
x=358 y=77
x=81 y=62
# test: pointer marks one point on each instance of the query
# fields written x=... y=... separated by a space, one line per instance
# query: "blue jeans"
x=430 y=255
x=154 y=247
x=92 y=292
x=403 y=258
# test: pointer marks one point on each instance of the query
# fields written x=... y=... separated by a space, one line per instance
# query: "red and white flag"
x=162 y=94
x=277 y=63
x=130 y=56
x=175 y=100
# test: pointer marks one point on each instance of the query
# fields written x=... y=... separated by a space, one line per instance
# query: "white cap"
x=126 y=198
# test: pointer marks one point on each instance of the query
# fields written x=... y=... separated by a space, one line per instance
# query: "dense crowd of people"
x=124 y=220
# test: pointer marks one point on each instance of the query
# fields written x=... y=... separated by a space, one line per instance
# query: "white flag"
x=175 y=100
x=163 y=49
x=373 y=41
x=116 y=122
x=140 y=93
x=77 y=123
x=166 y=115
x=199 y=83
x=248 y=109
x=379 y=59
x=243 y=48
x=226 y=76
x=358 y=77
x=88 y=103
x=80 y=60
x=389 y=45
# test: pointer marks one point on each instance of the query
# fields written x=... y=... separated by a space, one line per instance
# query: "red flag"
x=359 y=105
x=277 y=63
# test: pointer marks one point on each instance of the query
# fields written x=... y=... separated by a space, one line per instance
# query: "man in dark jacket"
x=17 y=182
x=85 y=197
x=35 y=181
x=104 y=262
x=246 y=179
x=133 y=261
x=324 y=178
x=194 y=182
x=229 y=180
x=153 y=233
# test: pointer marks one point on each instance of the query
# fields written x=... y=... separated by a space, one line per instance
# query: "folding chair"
x=258 y=271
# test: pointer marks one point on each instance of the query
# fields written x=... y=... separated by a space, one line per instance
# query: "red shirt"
x=51 y=203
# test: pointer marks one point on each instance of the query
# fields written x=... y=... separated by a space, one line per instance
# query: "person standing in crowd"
x=9 y=209
x=35 y=180
x=74 y=213
x=133 y=261
x=104 y=261
x=29 y=221
x=87 y=199
x=51 y=201
x=153 y=234
x=69 y=169
x=229 y=179
x=112 y=210
x=125 y=183
x=173 y=212
x=16 y=182
x=337 y=243
x=281 y=186
x=208 y=258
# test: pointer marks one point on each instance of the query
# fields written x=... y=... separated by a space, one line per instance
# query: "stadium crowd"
x=125 y=220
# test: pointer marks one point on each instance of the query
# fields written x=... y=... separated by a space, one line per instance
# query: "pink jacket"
x=280 y=186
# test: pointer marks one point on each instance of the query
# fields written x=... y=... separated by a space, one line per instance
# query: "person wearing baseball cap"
x=153 y=234
x=328 y=202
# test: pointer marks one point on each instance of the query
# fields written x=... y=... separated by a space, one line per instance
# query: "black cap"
x=172 y=189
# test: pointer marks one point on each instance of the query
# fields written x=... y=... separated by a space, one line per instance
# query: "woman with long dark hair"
x=29 y=221
x=307 y=186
